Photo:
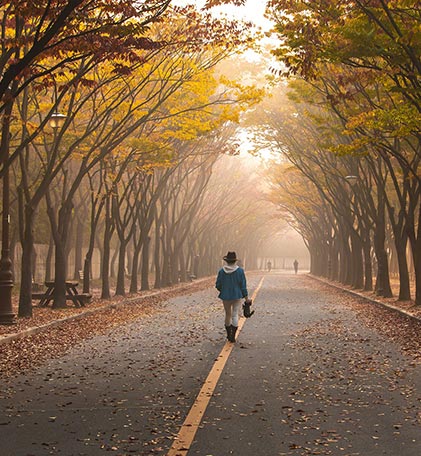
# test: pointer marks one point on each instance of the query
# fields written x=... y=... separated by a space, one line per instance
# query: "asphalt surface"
x=306 y=377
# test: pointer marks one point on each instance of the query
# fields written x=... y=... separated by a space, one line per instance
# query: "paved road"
x=307 y=377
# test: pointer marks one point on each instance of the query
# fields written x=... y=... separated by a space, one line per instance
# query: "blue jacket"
x=231 y=285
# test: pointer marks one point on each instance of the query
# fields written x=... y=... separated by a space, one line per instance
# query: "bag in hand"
x=246 y=308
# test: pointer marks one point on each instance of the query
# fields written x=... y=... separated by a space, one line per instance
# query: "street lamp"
x=7 y=317
x=57 y=120
x=352 y=180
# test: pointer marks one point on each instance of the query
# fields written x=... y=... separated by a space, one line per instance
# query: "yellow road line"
x=184 y=439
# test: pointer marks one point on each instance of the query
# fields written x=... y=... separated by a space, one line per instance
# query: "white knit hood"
x=229 y=268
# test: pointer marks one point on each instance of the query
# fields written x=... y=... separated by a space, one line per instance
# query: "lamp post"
x=352 y=180
x=57 y=121
x=7 y=317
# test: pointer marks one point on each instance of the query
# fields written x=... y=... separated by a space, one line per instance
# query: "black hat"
x=230 y=257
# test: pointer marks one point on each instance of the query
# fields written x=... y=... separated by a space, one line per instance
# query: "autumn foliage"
x=142 y=106
x=354 y=69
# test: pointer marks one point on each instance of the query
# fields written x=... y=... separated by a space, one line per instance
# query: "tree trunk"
x=196 y=266
x=87 y=273
x=404 y=282
x=166 y=260
x=357 y=262
x=166 y=270
x=105 y=265
x=48 y=260
x=312 y=258
x=134 y=271
x=121 y=269
x=87 y=265
x=25 y=297
x=345 y=255
x=59 y=301
x=368 y=269
x=129 y=257
x=417 y=262
x=157 y=253
x=383 y=280
x=112 y=263
x=174 y=262
x=60 y=240
x=13 y=242
x=334 y=262
x=34 y=263
x=145 y=263
x=183 y=268
x=78 y=249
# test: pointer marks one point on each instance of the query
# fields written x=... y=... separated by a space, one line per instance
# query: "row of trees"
x=145 y=120
x=349 y=133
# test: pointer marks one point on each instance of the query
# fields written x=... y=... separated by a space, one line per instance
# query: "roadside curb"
x=111 y=305
x=367 y=298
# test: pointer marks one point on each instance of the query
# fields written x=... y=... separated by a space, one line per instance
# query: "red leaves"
x=79 y=27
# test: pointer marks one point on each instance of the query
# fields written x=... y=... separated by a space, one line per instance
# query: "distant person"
x=295 y=266
x=269 y=266
x=232 y=286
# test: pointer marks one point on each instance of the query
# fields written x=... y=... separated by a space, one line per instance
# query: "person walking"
x=296 y=266
x=232 y=286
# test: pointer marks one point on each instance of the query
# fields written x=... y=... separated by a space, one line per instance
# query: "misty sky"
x=252 y=11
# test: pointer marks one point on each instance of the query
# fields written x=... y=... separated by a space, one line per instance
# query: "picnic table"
x=72 y=294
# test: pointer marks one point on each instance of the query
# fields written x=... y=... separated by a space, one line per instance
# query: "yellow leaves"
x=137 y=143
x=301 y=91
x=81 y=152
x=169 y=95
x=396 y=122
x=203 y=105
x=357 y=147
x=365 y=118
x=229 y=114
x=122 y=111
x=247 y=95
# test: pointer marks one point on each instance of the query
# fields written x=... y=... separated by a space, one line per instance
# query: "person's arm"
x=218 y=284
x=243 y=285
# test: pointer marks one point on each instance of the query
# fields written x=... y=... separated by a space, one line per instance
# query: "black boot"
x=228 y=328
x=231 y=337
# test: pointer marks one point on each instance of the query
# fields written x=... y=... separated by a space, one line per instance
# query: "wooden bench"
x=39 y=296
x=79 y=299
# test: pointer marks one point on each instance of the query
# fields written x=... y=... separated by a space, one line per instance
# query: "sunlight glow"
x=253 y=11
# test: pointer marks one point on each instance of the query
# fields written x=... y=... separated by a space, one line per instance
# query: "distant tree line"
x=348 y=130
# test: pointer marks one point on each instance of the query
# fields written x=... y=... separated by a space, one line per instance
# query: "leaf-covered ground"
x=29 y=352
x=315 y=372
x=117 y=381
x=44 y=315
